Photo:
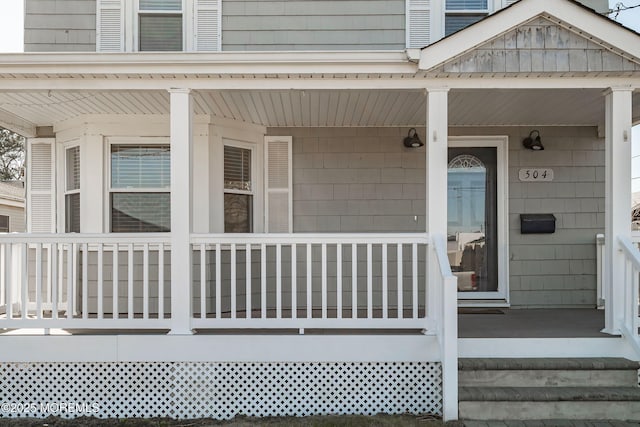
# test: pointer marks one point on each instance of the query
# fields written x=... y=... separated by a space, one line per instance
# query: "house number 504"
x=536 y=175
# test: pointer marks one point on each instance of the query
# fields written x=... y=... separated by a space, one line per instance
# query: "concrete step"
x=543 y=389
x=549 y=378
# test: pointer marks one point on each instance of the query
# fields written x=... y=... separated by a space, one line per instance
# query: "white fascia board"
x=9 y=201
x=208 y=63
x=17 y=124
x=578 y=17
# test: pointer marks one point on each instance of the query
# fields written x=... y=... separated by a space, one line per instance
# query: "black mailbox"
x=537 y=223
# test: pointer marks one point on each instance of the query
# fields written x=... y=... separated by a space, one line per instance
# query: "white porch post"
x=618 y=113
x=445 y=307
x=181 y=141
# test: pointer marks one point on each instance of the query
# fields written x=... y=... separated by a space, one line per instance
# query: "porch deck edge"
x=546 y=347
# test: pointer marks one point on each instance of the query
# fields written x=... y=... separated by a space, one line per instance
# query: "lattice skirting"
x=218 y=390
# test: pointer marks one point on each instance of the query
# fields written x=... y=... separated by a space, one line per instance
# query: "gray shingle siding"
x=60 y=26
x=364 y=180
x=313 y=25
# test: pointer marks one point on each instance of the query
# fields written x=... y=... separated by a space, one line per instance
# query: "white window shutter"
x=41 y=201
x=278 y=185
x=418 y=23
x=110 y=26
x=207 y=22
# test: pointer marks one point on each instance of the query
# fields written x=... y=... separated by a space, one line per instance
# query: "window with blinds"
x=160 y=24
x=139 y=193
x=4 y=223
x=238 y=190
x=462 y=13
x=72 y=190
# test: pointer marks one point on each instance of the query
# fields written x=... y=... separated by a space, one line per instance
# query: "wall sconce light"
x=533 y=143
x=412 y=140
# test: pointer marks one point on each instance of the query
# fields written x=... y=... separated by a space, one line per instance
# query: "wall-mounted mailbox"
x=537 y=223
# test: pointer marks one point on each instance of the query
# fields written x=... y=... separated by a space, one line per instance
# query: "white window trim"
x=257 y=168
x=134 y=22
x=66 y=192
x=139 y=140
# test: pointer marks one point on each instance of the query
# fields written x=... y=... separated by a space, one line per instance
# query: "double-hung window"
x=462 y=13
x=238 y=189
x=4 y=223
x=72 y=190
x=160 y=25
x=140 y=198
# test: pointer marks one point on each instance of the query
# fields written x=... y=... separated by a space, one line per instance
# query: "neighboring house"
x=261 y=184
x=12 y=215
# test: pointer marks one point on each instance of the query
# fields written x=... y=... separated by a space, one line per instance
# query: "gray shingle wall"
x=364 y=180
x=555 y=269
x=60 y=26
x=313 y=24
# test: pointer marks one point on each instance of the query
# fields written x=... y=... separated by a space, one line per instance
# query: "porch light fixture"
x=533 y=143
x=412 y=140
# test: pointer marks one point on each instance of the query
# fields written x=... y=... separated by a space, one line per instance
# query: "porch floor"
x=531 y=323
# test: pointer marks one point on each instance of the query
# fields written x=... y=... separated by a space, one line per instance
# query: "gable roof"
x=567 y=19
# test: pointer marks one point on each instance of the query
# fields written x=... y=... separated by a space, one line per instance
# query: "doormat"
x=467 y=310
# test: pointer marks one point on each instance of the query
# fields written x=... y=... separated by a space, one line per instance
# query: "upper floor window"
x=160 y=25
x=462 y=13
x=72 y=190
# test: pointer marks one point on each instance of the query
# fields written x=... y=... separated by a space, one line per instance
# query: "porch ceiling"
x=323 y=108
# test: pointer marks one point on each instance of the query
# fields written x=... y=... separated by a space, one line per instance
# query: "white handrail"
x=631 y=320
x=310 y=238
x=633 y=255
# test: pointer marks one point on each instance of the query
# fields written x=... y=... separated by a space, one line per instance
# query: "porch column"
x=181 y=141
x=618 y=113
x=442 y=303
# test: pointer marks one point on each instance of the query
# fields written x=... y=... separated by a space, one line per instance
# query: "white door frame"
x=501 y=143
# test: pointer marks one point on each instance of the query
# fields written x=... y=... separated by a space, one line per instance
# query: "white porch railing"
x=631 y=322
x=299 y=281
x=77 y=281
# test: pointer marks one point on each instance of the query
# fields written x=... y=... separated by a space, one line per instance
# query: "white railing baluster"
x=294 y=281
x=160 y=281
x=339 y=281
x=263 y=281
x=130 y=281
x=145 y=281
x=218 y=282
x=309 y=282
x=324 y=280
x=369 y=281
x=100 y=281
x=385 y=299
x=233 y=280
x=38 y=249
x=400 y=289
x=247 y=260
x=354 y=280
x=70 y=279
x=203 y=281
x=115 y=265
x=54 y=271
x=414 y=274
x=24 y=279
x=50 y=270
x=8 y=279
x=278 y=281
x=85 y=282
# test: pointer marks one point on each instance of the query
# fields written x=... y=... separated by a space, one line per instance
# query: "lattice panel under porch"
x=223 y=390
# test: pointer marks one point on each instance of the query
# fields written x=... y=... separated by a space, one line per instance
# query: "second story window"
x=462 y=13
x=160 y=25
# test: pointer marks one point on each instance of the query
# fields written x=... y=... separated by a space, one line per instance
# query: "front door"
x=476 y=197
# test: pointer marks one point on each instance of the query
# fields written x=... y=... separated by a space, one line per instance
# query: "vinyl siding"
x=364 y=180
x=60 y=26
x=313 y=24
x=16 y=218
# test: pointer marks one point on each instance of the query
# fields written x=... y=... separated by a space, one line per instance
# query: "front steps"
x=538 y=389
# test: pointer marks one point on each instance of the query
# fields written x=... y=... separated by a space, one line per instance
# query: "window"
x=72 y=190
x=238 y=190
x=139 y=191
x=160 y=25
x=462 y=13
x=4 y=223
